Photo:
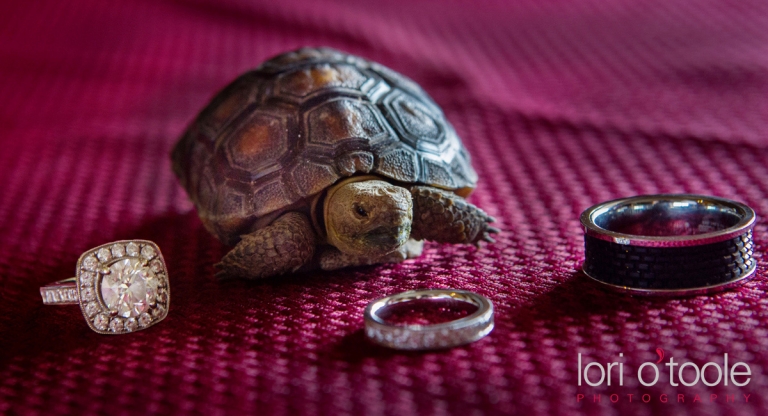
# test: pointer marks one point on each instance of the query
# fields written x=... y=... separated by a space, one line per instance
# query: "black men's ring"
x=675 y=244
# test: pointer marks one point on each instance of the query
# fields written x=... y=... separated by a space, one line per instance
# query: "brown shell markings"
x=288 y=130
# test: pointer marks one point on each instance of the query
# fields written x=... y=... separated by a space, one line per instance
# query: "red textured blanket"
x=561 y=104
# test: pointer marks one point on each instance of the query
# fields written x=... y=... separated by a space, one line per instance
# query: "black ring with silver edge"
x=673 y=245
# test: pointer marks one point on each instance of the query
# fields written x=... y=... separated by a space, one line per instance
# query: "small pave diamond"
x=162 y=280
x=131 y=324
x=162 y=296
x=132 y=249
x=92 y=308
x=86 y=278
x=90 y=263
x=101 y=321
x=144 y=319
x=104 y=255
x=156 y=266
x=129 y=288
x=158 y=311
x=116 y=325
x=148 y=252
x=118 y=250
x=88 y=294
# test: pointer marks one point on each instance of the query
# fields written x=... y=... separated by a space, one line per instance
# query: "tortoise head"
x=368 y=217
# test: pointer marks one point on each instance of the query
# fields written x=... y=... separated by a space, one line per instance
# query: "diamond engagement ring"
x=419 y=336
x=121 y=287
x=676 y=244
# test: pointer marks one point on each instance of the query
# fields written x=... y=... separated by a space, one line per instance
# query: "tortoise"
x=321 y=159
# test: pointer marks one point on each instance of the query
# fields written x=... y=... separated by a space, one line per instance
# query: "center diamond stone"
x=130 y=287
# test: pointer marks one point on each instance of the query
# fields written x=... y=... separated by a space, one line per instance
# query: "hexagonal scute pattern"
x=400 y=164
x=198 y=155
x=417 y=120
x=269 y=197
x=230 y=200
x=205 y=191
x=312 y=177
x=354 y=162
x=305 y=81
x=343 y=119
x=462 y=168
x=228 y=103
x=258 y=143
x=400 y=81
x=301 y=121
x=436 y=173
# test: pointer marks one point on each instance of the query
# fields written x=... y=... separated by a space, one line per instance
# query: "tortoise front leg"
x=447 y=218
x=281 y=247
x=332 y=258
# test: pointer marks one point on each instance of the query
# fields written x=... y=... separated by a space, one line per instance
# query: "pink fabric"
x=562 y=105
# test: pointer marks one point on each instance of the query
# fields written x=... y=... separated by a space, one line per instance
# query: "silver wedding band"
x=673 y=244
x=426 y=337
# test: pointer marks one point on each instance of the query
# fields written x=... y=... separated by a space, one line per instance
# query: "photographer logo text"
x=672 y=372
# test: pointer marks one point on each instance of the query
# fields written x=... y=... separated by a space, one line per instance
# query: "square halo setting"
x=123 y=286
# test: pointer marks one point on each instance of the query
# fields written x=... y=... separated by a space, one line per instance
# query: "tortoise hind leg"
x=447 y=218
x=281 y=247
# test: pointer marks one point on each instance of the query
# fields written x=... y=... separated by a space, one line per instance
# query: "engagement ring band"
x=121 y=287
x=677 y=245
x=461 y=331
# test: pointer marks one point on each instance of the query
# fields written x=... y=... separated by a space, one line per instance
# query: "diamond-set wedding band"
x=426 y=337
x=121 y=287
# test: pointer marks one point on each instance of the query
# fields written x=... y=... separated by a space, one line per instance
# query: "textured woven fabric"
x=561 y=104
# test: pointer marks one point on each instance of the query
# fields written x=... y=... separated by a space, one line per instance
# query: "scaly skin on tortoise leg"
x=281 y=247
x=447 y=218
x=333 y=259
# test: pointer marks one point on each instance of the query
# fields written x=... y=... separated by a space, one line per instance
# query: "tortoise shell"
x=284 y=132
